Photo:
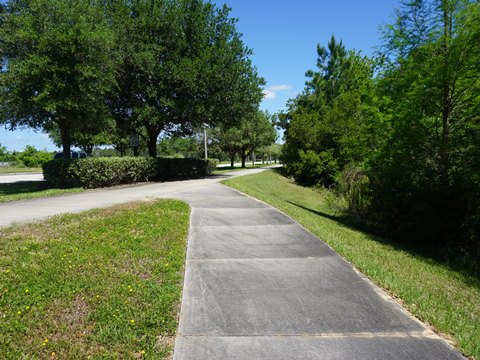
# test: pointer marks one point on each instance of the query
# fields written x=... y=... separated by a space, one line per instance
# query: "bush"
x=353 y=184
x=102 y=172
x=314 y=169
x=32 y=157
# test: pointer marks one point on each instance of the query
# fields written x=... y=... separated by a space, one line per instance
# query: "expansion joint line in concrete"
x=427 y=334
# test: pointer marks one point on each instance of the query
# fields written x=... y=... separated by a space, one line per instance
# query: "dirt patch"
x=71 y=320
x=164 y=342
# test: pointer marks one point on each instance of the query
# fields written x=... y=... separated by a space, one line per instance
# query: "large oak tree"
x=57 y=68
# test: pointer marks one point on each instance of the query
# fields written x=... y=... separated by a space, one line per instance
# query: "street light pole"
x=205 y=141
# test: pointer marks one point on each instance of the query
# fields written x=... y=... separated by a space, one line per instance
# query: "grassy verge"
x=222 y=170
x=16 y=169
x=446 y=299
x=30 y=190
x=101 y=284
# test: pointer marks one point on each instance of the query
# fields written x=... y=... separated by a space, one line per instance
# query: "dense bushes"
x=314 y=168
x=101 y=172
x=32 y=157
x=405 y=136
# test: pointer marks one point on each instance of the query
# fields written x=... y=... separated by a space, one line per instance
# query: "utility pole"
x=205 y=141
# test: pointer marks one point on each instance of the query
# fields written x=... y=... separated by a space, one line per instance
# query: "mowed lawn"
x=30 y=190
x=17 y=169
x=446 y=299
x=100 y=284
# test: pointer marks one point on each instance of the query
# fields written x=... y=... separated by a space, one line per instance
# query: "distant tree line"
x=399 y=135
x=92 y=72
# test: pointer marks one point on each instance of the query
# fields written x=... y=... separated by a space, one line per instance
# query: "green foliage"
x=101 y=172
x=253 y=132
x=94 y=72
x=32 y=157
x=424 y=181
x=5 y=155
x=314 y=168
x=175 y=146
x=353 y=184
x=406 y=142
x=194 y=68
x=84 y=140
x=337 y=113
x=58 y=64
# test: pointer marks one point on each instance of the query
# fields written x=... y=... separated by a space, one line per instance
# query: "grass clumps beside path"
x=30 y=190
x=446 y=299
x=101 y=284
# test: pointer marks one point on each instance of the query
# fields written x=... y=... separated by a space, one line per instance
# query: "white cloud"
x=271 y=92
x=267 y=94
x=280 y=87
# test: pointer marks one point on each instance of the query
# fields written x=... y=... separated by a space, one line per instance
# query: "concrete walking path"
x=39 y=209
x=259 y=286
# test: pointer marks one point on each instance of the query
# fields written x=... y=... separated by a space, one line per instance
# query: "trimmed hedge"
x=103 y=171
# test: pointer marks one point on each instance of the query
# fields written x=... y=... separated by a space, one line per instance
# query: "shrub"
x=32 y=157
x=5 y=155
x=314 y=168
x=353 y=185
x=102 y=172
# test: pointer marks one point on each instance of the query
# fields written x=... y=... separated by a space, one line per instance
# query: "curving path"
x=39 y=209
x=259 y=286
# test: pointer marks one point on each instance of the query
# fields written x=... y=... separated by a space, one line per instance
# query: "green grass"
x=225 y=169
x=104 y=284
x=18 y=169
x=30 y=190
x=446 y=299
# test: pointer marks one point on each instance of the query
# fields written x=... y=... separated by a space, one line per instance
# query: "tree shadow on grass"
x=470 y=275
x=22 y=187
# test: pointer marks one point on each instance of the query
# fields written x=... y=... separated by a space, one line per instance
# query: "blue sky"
x=283 y=35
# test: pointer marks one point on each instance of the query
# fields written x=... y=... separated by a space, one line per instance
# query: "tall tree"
x=57 y=66
x=335 y=117
x=253 y=132
x=183 y=64
x=431 y=79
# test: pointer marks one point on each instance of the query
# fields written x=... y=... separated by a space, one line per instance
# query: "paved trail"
x=259 y=286
x=40 y=209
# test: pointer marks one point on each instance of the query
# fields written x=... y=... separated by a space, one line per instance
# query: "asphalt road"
x=12 y=178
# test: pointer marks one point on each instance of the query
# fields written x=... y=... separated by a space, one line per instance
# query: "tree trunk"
x=232 y=160
x=152 y=142
x=66 y=140
x=446 y=95
x=87 y=148
x=243 y=155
